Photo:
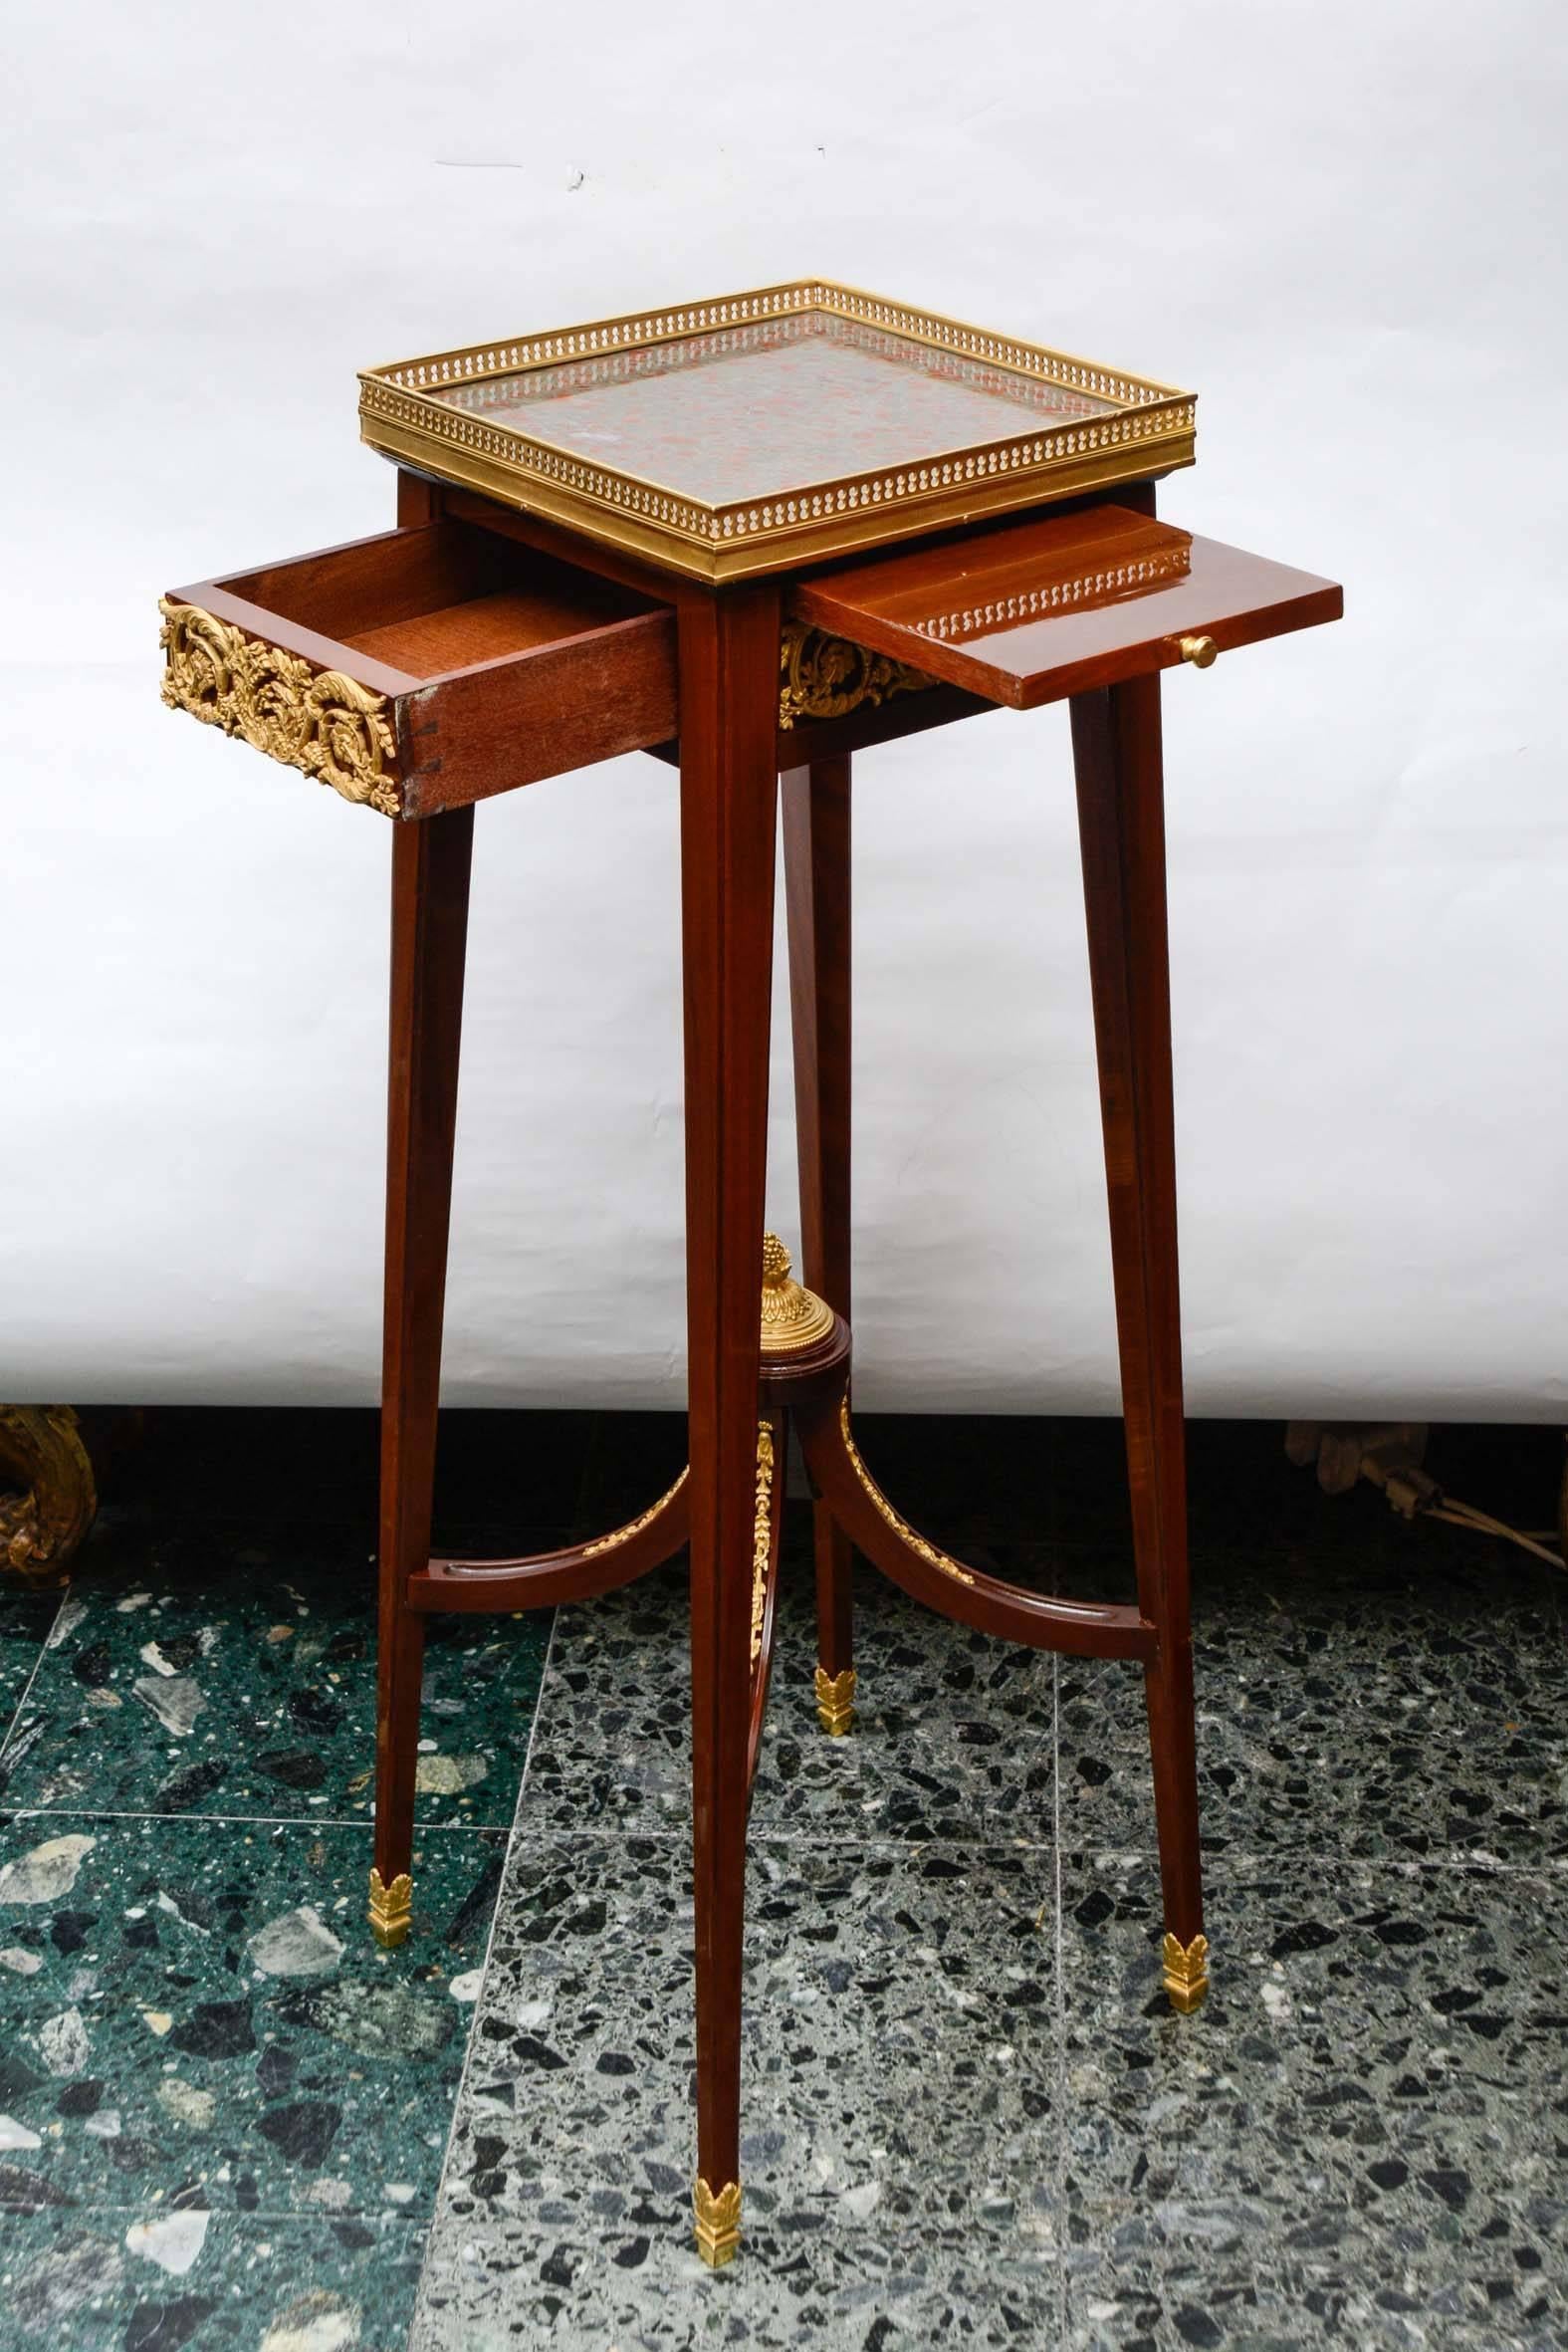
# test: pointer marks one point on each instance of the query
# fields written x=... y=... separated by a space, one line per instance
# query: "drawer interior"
x=437 y=599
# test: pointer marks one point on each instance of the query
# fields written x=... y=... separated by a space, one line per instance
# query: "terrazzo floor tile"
x=1373 y=2092
x=1419 y=1715
x=625 y=2278
x=900 y=2039
x=1163 y=2278
x=952 y=1736
x=178 y=2277
x=223 y=1673
x=195 y=2006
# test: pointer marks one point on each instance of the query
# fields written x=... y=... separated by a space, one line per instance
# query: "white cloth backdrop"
x=1343 y=224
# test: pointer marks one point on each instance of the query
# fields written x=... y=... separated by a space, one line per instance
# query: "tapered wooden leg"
x=816 y=887
x=1116 y=752
x=430 y=870
x=729 y=688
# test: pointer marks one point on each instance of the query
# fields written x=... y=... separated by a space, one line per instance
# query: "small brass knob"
x=1200 y=651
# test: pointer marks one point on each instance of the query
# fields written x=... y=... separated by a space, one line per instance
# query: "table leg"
x=430 y=871
x=728 y=686
x=816 y=889
x=1116 y=753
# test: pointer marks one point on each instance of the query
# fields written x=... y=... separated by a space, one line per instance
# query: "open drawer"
x=424 y=668
x=1033 y=612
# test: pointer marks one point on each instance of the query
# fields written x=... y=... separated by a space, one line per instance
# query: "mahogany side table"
x=655 y=534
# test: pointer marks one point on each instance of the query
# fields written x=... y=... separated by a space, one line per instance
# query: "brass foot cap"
x=718 y=2222
x=836 y=1701
x=392 y=1907
x=1186 y=1972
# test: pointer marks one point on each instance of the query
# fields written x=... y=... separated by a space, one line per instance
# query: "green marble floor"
x=223 y=2111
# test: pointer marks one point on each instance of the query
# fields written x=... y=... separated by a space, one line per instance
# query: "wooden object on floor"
x=48 y=1495
x=535 y=611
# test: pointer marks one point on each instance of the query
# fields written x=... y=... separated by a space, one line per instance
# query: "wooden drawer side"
x=562 y=706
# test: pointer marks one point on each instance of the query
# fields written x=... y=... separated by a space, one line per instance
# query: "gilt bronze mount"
x=827 y=677
x=315 y=720
x=836 y=1701
x=391 y=1909
x=1185 y=1971
x=794 y=1318
x=717 y=2220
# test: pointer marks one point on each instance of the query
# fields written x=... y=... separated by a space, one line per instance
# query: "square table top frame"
x=406 y=413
